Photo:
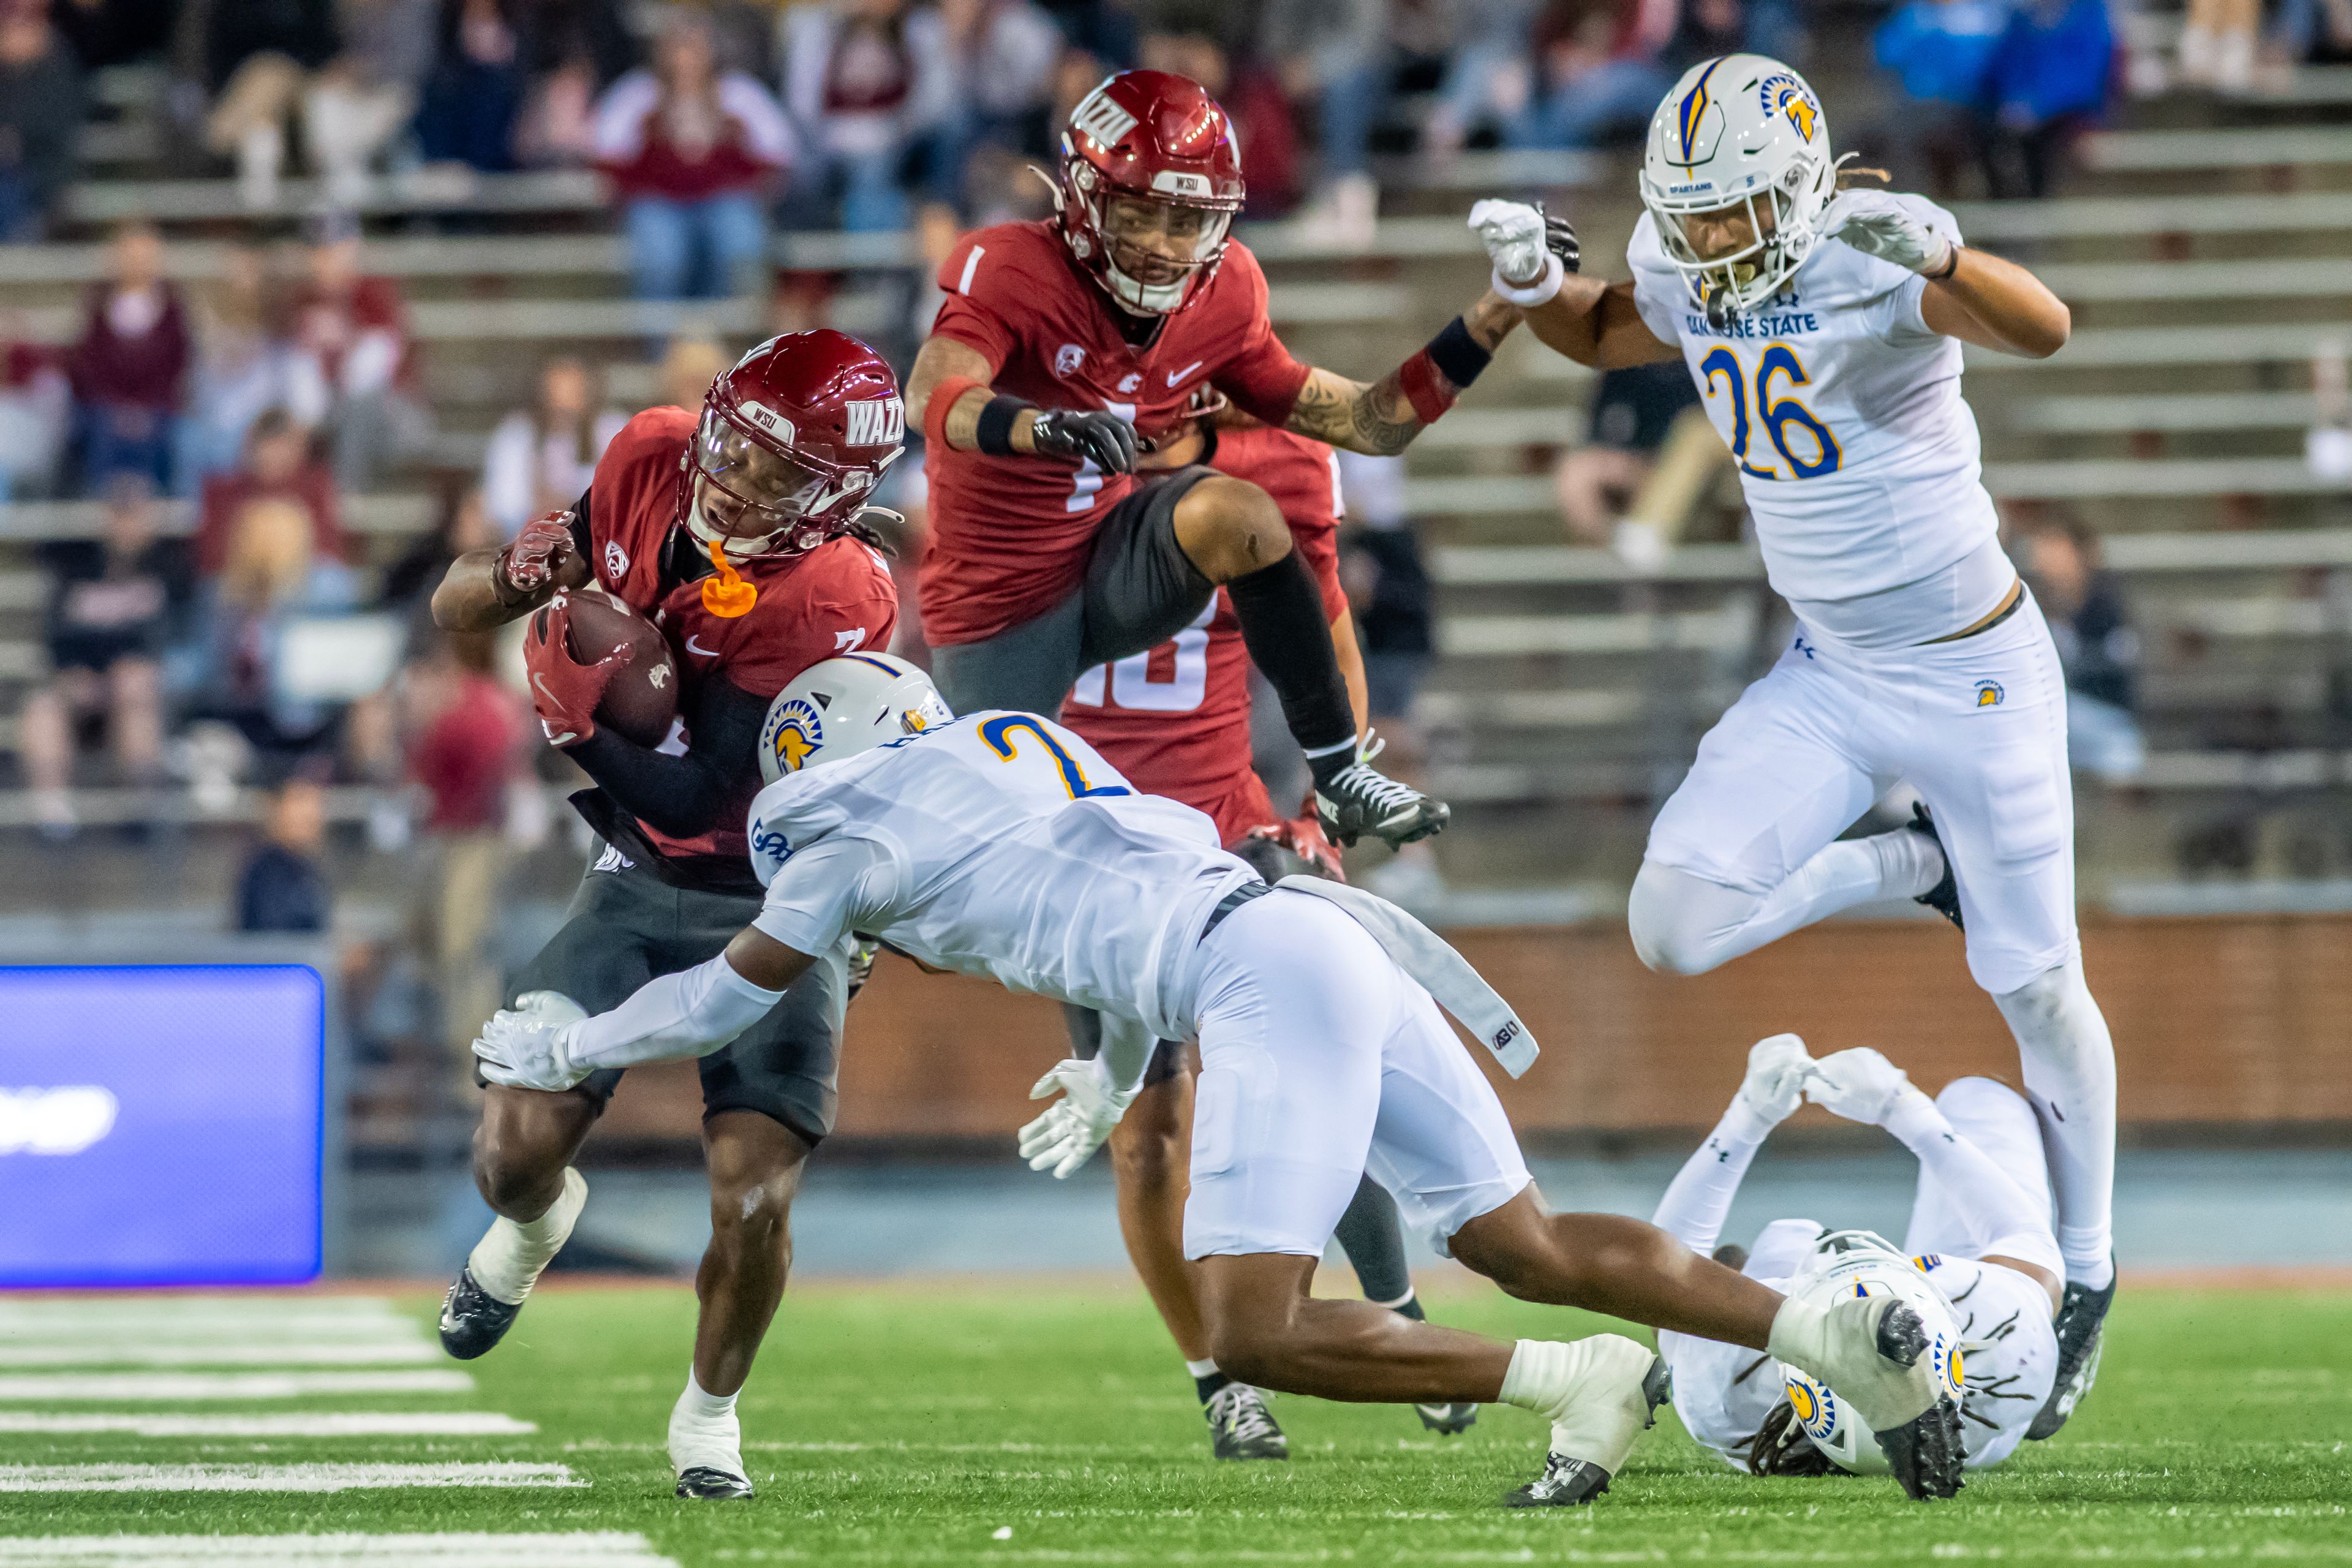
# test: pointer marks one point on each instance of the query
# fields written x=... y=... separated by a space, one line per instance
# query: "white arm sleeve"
x=1127 y=1045
x=689 y=1014
x=1700 y=1195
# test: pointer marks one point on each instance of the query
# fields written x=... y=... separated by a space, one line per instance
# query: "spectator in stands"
x=693 y=155
x=1942 y=53
x=2317 y=32
x=464 y=526
x=1598 y=72
x=1338 y=55
x=365 y=95
x=130 y=365
x=575 y=50
x=2327 y=445
x=541 y=457
x=104 y=33
x=687 y=368
x=354 y=370
x=278 y=471
x=258 y=58
x=1480 y=47
x=2097 y=647
x=1004 y=55
x=868 y=86
x=2049 y=83
x=242 y=368
x=2218 y=42
x=41 y=112
x=1648 y=460
x=467 y=752
x=36 y=411
x=475 y=90
x=115 y=604
x=1187 y=42
x=282 y=886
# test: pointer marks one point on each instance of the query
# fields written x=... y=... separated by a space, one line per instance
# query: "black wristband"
x=1456 y=354
x=994 y=434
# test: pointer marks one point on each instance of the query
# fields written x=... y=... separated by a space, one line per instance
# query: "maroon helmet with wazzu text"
x=792 y=443
x=1151 y=179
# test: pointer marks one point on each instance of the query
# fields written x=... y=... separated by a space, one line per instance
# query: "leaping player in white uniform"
x=1979 y=1235
x=1824 y=328
x=1001 y=843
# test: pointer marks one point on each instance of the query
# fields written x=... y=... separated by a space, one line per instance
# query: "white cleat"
x=1605 y=1394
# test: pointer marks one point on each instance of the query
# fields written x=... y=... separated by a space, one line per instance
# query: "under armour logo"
x=1802 y=647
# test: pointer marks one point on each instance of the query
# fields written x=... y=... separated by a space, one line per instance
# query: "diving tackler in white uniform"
x=1917 y=657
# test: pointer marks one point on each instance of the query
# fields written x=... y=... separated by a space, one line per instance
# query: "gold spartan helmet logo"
x=1988 y=694
x=1800 y=113
x=1800 y=1403
x=793 y=746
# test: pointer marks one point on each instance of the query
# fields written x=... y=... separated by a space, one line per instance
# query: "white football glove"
x=1775 y=1084
x=1533 y=250
x=1068 y=1135
x=1875 y=223
x=529 y=1046
x=1860 y=1085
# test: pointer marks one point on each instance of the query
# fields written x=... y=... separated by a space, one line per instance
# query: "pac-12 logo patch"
x=616 y=559
x=1068 y=358
x=1988 y=694
x=795 y=732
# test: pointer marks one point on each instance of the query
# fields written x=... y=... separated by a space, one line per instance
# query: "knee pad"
x=1673 y=934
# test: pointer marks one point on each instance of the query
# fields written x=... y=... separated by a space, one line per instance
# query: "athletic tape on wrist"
x=1539 y=292
x=1424 y=388
x=994 y=434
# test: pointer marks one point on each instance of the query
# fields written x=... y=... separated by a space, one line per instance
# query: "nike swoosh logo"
x=691 y=647
x=1176 y=375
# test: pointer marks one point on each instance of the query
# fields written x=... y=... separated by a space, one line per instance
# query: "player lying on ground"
x=1824 y=328
x=1175 y=722
x=1065 y=348
x=739 y=530
x=1001 y=843
x=1980 y=1237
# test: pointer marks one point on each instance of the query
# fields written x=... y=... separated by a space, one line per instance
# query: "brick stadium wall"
x=2243 y=1020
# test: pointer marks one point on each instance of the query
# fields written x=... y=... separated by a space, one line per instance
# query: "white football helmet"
x=1863 y=1263
x=841 y=706
x=1739 y=129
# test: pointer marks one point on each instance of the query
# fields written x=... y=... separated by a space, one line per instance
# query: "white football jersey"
x=1000 y=845
x=1858 y=456
x=1723 y=1391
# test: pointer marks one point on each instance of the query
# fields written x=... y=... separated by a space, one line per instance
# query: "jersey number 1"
x=1776 y=417
x=1088 y=481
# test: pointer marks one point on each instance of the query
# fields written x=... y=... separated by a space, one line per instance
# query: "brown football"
x=641 y=700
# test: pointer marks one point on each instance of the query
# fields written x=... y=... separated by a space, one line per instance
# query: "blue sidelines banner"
x=160 y=1125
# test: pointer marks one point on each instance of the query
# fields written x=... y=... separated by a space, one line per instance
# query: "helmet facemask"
x=1154 y=248
x=1738 y=255
x=750 y=500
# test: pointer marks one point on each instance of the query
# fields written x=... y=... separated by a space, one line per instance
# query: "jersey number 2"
x=1776 y=417
x=997 y=733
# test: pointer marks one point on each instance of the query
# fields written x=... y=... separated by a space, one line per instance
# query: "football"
x=640 y=702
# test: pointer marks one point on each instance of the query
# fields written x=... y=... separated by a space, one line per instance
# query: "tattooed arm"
x=1381 y=418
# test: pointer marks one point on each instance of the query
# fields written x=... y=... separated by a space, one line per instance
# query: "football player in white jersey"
x=1824 y=329
x=1001 y=844
x=1980 y=1234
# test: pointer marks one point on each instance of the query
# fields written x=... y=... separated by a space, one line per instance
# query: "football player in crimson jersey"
x=1176 y=722
x=738 y=532
x=1062 y=350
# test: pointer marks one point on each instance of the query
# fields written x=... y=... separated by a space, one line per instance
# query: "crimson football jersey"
x=1175 y=719
x=835 y=599
x=1010 y=536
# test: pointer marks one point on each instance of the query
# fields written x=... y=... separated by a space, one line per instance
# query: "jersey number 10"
x=1776 y=417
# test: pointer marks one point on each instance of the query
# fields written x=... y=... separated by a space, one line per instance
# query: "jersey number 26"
x=1779 y=359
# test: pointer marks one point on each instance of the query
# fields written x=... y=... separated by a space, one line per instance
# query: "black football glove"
x=1079 y=435
x=1559 y=238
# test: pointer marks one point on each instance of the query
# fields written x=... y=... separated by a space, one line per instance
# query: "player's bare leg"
x=1235 y=534
x=755 y=1163
x=523 y=1166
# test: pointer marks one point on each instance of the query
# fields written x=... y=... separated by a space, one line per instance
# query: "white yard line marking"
x=316 y=1424
x=257 y=1311
x=278 y=1478
x=218 y=1332
x=172 y=1387
x=599 y=1549
x=301 y=1355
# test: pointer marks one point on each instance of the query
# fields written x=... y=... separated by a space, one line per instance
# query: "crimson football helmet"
x=1161 y=141
x=791 y=443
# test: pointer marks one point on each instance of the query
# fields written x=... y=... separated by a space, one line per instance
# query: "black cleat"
x=1564 y=1483
x=1241 y=1428
x=1925 y=1453
x=472 y=1319
x=2081 y=1333
x=1360 y=799
x=1943 y=898
x=705 y=1481
x=1448 y=1420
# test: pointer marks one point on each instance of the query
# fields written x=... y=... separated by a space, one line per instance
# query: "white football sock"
x=2069 y=1062
x=1201 y=1368
x=507 y=1260
x=1590 y=1390
x=704 y=1431
x=1687 y=924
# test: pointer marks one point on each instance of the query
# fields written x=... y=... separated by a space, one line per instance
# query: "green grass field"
x=906 y=1426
